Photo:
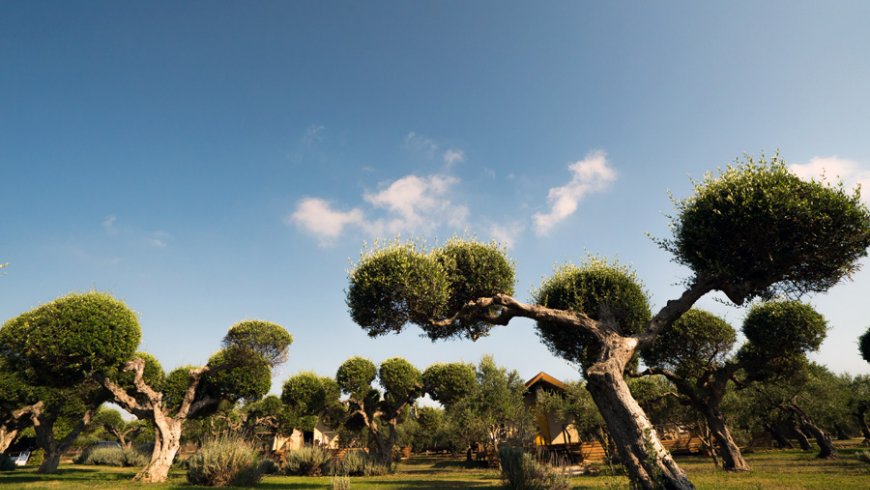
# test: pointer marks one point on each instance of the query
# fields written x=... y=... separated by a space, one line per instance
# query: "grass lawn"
x=779 y=470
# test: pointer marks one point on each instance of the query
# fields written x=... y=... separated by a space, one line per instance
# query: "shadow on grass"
x=64 y=475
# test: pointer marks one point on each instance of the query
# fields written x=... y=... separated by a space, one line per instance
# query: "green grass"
x=777 y=470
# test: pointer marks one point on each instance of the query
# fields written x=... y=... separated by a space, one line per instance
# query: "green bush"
x=355 y=463
x=36 y=457
x=6 y=463
x=307 y=461
x=520 y=471
x=112 y=456
x=225 y=461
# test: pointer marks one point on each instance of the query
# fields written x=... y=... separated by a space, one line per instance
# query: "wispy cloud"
x=109 y=224
x=416 y=142
x=834 y=168
x=453 y=156
x=410 y=204
x=507 y=234
x=592 y=174
x=313 y=135
x=117 y=230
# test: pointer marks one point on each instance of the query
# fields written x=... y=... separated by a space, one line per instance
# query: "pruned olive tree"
x=859 y=404
x=380 y=412
x=752 y=231
x=695 y=354
x=59 y=349
x=311 y=399
x=18 y=403
x=242 y=370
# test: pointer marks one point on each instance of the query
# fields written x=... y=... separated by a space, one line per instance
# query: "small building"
x=551 y=430
x=321 y=436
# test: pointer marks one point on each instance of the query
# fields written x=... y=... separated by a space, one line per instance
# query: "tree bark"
x=7 y=436
x=732 y=458
x=823 y=439
x=803 y=440
x=167 y=442
x=777 y=435
x=167 y=428
x=862 y=423
x=649 y=464
x=43 y=424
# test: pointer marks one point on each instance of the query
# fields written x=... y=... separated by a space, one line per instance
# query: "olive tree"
x=18 y=402
x=242 y=370
x=60 y=348
x=380 y=412
x=754 y=230
x=310 y=398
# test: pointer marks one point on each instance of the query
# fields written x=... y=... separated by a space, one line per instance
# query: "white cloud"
x=592 y=174
x=313 y=135
x=506 y=234
x=453 y=156
x=420 y=143
x=159 y=239
x=316 y=216
x=411 y=204
x=833 y=169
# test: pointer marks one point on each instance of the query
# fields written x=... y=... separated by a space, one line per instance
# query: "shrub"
x=356 y=463
x=6 y=463
x=36 y=457
x=340 y=483
x=102 y=456
x=268 y=467
x=307 y=461
x=112 y=456
x=520 y=471
x=225 y=461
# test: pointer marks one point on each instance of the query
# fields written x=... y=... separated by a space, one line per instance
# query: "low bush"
x=520 y=471
x=112 y=456
x=307 y=461
x=356 y=463
x=225 y=461
x=268 y=467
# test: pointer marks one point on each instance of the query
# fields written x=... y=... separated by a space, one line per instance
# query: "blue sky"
x=208 y=162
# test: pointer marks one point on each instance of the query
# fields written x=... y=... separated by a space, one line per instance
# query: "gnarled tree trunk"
x=648 y=463
x=167 y=442
x=823 y=439
x=729 y=451
x=865 y=430
x=43 y=424
x=777 y=436
x=7 y=436
x=803 y=440
x=167 y=429
x=15 y=421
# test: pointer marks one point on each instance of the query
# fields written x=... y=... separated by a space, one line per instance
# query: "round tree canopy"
x=266 y=339
x=309 y=394
x=695 y=341
x=474 y=270
x=396 y=285
x=447 y=383
x=601 y=290
x=235 y=374
x=355 y=376
x=399 y=377
x=72 y=337
x=758 y=229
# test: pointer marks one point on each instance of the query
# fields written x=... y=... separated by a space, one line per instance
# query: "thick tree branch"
x=501 y=308
x=675 y=308
x=187 y=404
x=124 y=399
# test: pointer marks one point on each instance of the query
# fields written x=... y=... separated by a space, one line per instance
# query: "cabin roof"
x=547 y=380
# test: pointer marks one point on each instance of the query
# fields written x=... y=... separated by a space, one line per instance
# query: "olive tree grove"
x=694 y=353
x=752 y=231
x=242 y=370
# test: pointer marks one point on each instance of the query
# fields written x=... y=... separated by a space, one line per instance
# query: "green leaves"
x=400 y=284
x=604 y=291
x=864 y=345
x=696 y=342
x=759 y=230
x=309 y=394
x=266 y=339
x=72 y=337
x=447 y=383
x=779 y=335
x=355 y=376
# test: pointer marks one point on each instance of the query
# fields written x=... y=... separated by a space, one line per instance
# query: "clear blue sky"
x=208 y=162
